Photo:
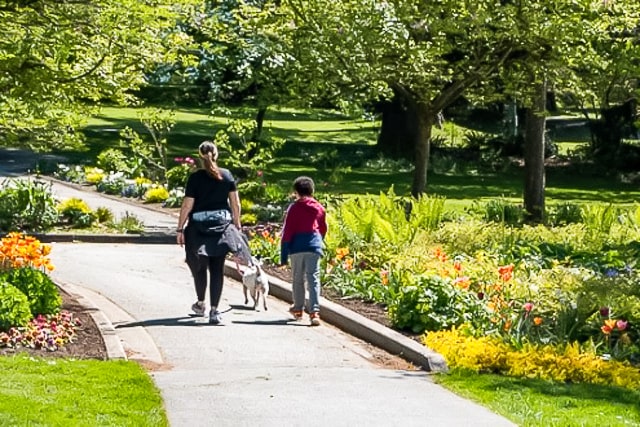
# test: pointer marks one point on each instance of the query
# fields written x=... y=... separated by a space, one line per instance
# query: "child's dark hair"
x=304 y=186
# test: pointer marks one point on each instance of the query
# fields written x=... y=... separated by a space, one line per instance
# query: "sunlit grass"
x=531 y=402
x=314 y=131
x=63 y=392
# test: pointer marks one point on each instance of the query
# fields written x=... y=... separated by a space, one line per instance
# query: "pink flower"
x=189 y=160
x=527 y=306
x=621 y=325
x=259 y=173
x=178 y=159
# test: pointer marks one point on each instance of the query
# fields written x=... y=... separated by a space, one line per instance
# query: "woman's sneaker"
x=215 y=317
x=315 y=319
x=198 y=308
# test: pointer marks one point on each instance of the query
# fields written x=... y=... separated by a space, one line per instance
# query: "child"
x=302 y=240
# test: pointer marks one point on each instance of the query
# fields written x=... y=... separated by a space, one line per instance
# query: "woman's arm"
x=185 y=209
x=234 y=202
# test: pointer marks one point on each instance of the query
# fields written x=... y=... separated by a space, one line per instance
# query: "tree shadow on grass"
x=592 y=392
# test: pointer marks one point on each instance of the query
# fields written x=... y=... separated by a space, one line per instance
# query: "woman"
x=210 y=192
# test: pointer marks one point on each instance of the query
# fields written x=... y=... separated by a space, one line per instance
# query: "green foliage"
x=112 y=160
x=114 y=183
x=599 y=218
x=378 y=227
x=42 y=294
x=430 y=303
x=14 y=307
x=50 y=87
x=27 y=205
x=368 y=284
x=151 y=155
x=128 y=223
x=104 y=215
x=243 y=154
x=175 y=198
x=565 y=213
x=74 y=173
x=177 y=176
x=501 y=210
x=248 y=218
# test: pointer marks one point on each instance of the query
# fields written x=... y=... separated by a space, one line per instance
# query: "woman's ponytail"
x=209 y=154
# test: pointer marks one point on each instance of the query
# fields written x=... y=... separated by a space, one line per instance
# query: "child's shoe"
x=315 y=319
x=297 y=314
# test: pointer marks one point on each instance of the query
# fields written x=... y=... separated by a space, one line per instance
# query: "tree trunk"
x=398 y=129
x=262 y=111
x=534 y=157
x=426 y=119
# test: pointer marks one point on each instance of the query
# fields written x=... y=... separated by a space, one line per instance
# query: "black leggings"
x=198 y=264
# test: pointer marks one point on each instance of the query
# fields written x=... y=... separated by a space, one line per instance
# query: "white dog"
x=256 y=282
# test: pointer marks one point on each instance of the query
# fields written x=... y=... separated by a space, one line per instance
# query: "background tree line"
x=417 y=60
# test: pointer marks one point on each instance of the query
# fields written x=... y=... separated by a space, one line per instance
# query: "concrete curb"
x=115 y=350
x=360 y=327
x=143 y=238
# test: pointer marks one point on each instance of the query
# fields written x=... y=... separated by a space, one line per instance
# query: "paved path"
x=258 y=368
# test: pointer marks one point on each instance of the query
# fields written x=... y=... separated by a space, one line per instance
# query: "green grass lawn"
x=62 y=392
x=311 y=132
x=531 y=402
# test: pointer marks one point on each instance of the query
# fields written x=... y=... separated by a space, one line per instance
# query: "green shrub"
x=175 y=198
x=500 y=210
x=112 y=160
x=27 y=205
x=249 y=218
x=177 y=176
x=599 y=218
x=129 y=223
x=14 y=307
x=74 y=173
x=104 y=215
x=114 y=183
x=565 y=213
x=430 y=303
x=77 y=213
x=42 y=294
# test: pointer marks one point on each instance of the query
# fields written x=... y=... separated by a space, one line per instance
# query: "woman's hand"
x=180 y=238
